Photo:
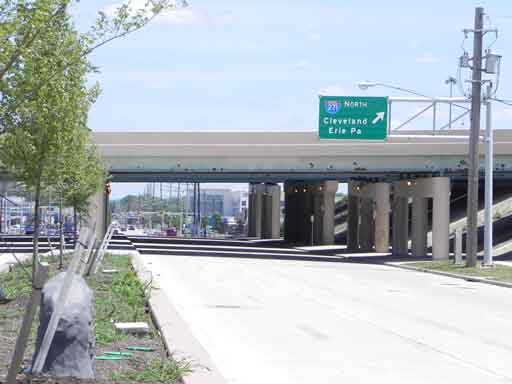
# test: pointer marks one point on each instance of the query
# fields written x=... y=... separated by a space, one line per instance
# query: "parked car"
x=29 y=229
x=171 y=232
x=52 y=230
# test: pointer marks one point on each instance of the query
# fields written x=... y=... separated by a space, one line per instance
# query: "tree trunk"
x=61 y=233
x=74 y=225
x=35 y=256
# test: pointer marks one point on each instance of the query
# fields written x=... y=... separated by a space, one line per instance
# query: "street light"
x=364 y=85
x=452 y=81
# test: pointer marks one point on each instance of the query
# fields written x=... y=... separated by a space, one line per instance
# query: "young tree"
x=86 y=175
x=42 y=126
x=78 y=172
x=43 y=68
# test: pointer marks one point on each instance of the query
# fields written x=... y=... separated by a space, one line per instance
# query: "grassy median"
x=497 y=272
x=118 y=297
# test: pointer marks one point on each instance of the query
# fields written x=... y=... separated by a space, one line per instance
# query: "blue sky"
x=259 y=65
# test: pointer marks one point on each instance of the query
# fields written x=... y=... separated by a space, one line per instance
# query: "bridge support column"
x=437 y=188
x=400 y=221
x=419 y=226
x=256 y=191
x=271 y=218
x=366 y=225
x=382 y=209
x=368 y=216
x=441 y=218
x=353 y=217
x=323 y=211
x=290 y=202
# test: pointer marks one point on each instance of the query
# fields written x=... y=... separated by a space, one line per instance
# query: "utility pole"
x=474 y=138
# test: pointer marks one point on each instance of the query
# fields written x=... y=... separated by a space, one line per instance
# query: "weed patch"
x=498 y=272
x=160 y=370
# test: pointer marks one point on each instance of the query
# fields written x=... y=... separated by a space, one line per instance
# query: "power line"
x=506 y=102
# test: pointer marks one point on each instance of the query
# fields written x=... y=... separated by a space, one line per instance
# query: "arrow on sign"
x=379 y=116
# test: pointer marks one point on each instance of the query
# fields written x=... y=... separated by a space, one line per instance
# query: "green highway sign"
x=353 y=118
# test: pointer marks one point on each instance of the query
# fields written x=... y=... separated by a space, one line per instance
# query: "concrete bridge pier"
x=400 y=242
x=366 y=225
x=271 y=217
x=255 y=211
x=264 y=214
x=324 y=194
x=309 y=212
x=353 y=218
x=437 y=189
x=382 y=209
x=368 y=216
x=419 y=226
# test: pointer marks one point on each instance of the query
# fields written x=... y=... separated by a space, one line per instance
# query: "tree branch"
x=26 y=44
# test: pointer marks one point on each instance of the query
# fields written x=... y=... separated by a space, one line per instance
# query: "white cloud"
x=303 y=64
x=187 y=15
x=334 y=90
x=427 y=58
x=312 y=36
x=311 y=32
x=415 y=44
x=193 y=16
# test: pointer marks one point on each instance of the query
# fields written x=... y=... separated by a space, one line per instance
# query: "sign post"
x=353 y=118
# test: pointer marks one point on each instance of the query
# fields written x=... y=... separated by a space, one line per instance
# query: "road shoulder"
x=176 y=334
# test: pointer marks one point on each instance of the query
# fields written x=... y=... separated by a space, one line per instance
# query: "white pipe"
x=447 y=100
x=488 y=182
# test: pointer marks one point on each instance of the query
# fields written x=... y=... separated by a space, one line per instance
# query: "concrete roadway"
x=281 y=321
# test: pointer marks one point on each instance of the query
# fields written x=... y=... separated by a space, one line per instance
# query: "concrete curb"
x=475 y=279
x=176 y=334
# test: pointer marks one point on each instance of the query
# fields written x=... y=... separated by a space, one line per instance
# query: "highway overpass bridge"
x=384 y=177
x=283 y=156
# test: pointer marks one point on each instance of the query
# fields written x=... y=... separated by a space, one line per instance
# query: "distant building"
x=224 y=202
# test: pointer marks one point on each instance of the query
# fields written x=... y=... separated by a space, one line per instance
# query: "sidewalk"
x=7 y=259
